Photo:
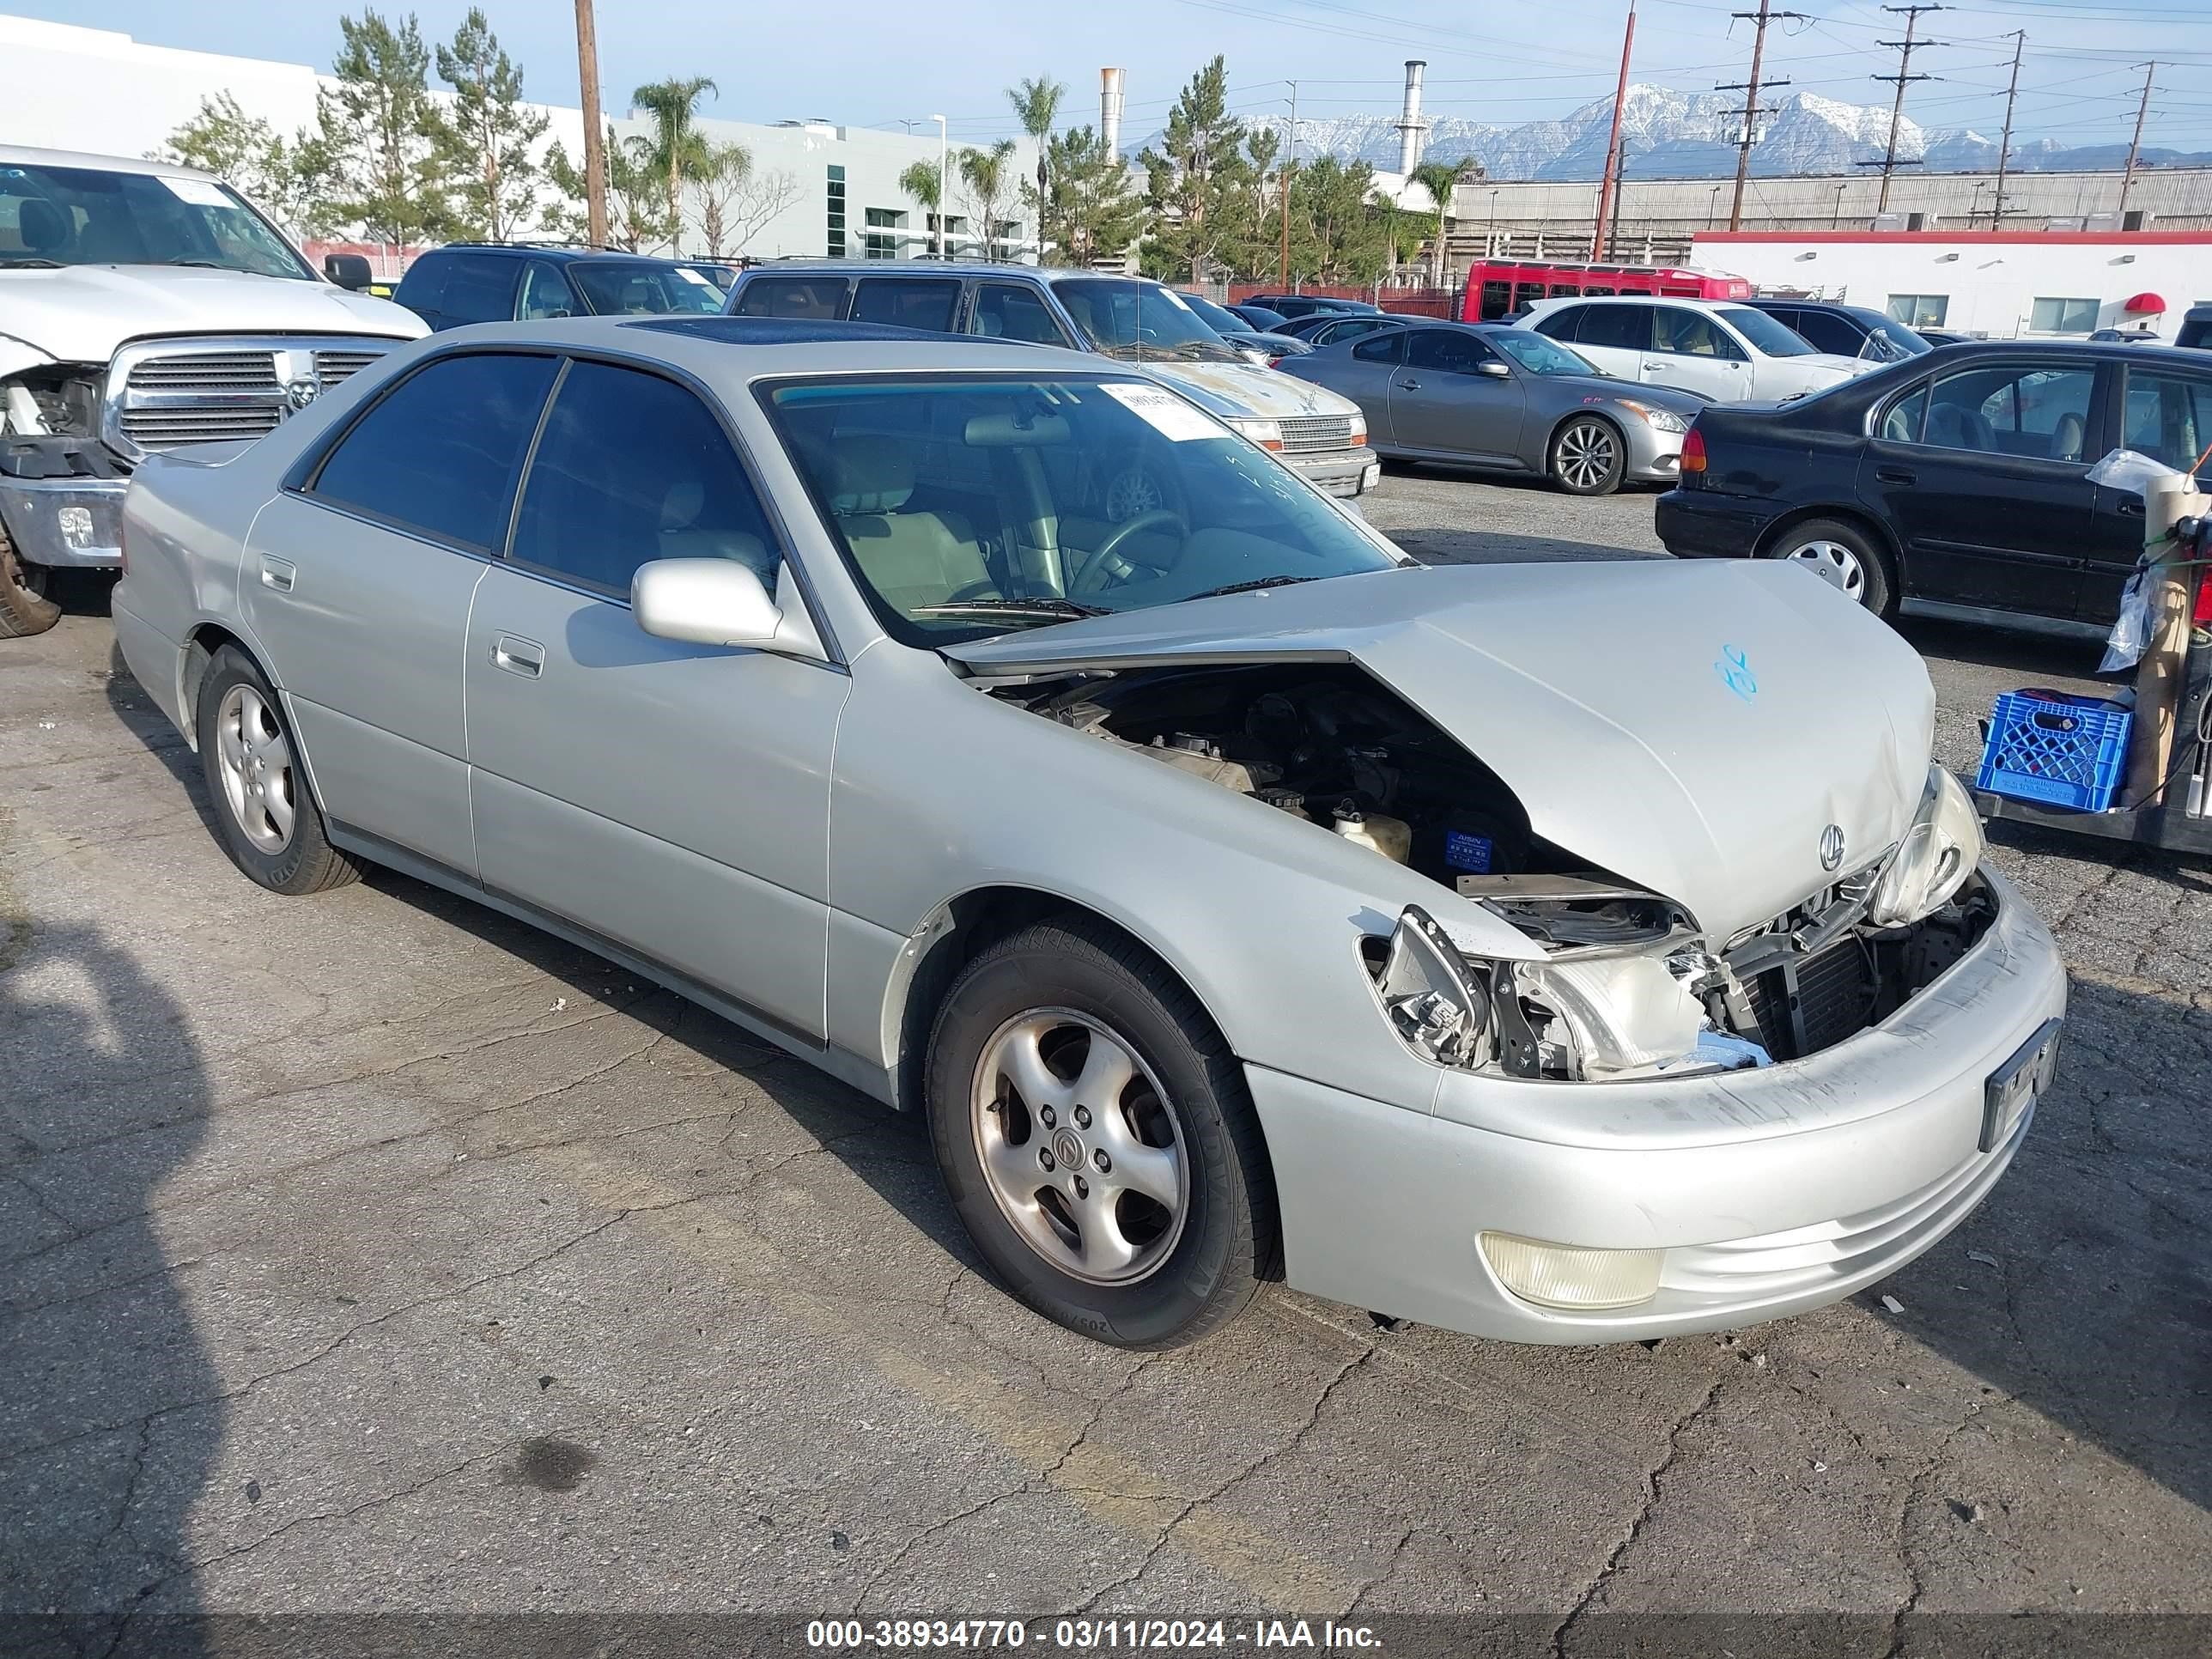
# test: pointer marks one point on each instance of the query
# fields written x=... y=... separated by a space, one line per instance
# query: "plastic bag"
x=2131 y=631
x=2131 y=471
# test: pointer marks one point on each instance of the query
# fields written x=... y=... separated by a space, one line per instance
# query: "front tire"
x=1096 y=1137
x=1588 y=457
x=26 y=604
x=270 y=823
x=1844 y=556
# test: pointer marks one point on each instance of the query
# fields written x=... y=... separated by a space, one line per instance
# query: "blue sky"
x=879 y=62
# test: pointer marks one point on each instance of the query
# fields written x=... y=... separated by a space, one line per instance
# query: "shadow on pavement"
x=100 y=1459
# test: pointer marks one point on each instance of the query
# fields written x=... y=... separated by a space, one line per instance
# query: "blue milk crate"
x=2057 y=750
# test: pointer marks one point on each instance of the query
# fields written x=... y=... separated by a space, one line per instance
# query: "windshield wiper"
x=1057 y=610
x=1253 y=587
x=32 y=262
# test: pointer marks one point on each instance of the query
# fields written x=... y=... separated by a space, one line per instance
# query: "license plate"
x=2016 y=1085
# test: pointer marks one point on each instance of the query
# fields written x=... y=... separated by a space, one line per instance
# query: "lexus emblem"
x=302 y=391
x=1831 y=847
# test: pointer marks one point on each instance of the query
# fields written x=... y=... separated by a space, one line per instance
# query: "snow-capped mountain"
x=1690 y=135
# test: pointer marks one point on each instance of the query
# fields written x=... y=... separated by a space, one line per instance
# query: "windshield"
x=1142 y=321
x=1540 y=355
x=51 y=216
x=646 y=290
x=968 y=505
x=1775 y=339
x=1217 y=317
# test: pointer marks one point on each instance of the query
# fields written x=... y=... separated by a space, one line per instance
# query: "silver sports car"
x=1564 y=953
x=1479 y=394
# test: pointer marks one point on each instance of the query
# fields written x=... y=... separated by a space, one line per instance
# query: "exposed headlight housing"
x=1933 y=862
x=1429 y=991
x=1268 y=435
x=1659 y=420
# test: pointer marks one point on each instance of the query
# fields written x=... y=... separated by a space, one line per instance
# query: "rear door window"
x=632 y=468
x=1013 y=311
x=480 y=289
x=1563 y=324
x=1626 y=328
x=2013 y=409
x=1382 y=348
x=2168 y=417
x=439 y=454
x=546 y=292
x=923 y=302
x=812 y=299
x=1445 y=351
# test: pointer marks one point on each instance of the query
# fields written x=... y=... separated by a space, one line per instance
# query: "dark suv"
x=1845 y=330
x=1307 y=304
x=499 y=283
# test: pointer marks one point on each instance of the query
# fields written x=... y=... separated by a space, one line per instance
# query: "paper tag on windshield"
x=1176 y=300
x=200 y=192
x=1161 y=409
x=691 y=275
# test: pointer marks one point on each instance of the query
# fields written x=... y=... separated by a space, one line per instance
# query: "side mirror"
x=1494 y=369
x=714 y=602
x=349 y=270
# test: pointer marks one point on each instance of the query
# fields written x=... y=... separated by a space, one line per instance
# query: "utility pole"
x=1609 y=184
x=1290 y=150
x=2134 y=144
x=595 y=154
x=1751 y=108
x=2004 y=144
x=1903 y=78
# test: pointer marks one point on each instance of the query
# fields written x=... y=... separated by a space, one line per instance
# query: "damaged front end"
x=61 y=488
x=1626 y=987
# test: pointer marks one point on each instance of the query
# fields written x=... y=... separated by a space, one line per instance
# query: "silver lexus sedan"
x=1506 y=400
x=1563 y=953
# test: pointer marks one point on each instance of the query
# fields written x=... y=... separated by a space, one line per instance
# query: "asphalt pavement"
x=371 y=1254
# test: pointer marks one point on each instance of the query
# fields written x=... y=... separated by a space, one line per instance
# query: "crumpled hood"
x=1693 y=728
x=82 y=314
x=1230 y=389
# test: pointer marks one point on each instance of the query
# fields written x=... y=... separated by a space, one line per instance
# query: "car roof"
x=1554 y=303
x=1967 y=351
x=25 y=156
x=931 y=268
x=563 y=253
x=1835 y=308
x=709 y=347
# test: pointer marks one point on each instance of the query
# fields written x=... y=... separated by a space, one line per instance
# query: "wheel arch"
x=201 y=644
x=1857 y=517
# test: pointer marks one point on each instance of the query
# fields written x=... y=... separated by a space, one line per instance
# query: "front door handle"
x=277 y=573
x=1409 y=385
x=519 y=656
x=2131 y=509
x=1896 y=475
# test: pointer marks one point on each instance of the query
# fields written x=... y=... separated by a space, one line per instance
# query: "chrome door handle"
x=2130 y=509
x=519 y=656
x=1895 y=475
x=277 y=573
x=1409 y=385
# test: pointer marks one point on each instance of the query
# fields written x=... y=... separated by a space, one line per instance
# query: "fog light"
x=75 y=524
x=1564 y=1276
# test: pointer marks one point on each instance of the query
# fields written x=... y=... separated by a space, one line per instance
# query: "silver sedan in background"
x=1482 y=395
x=1563 y=952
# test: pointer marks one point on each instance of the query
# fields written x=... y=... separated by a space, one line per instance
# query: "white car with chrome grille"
x=144 y=306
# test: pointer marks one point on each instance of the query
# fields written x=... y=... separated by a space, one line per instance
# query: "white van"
x=1728 y=352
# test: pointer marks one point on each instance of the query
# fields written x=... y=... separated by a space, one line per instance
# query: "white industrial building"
x=64 y=86
x=2001 y=284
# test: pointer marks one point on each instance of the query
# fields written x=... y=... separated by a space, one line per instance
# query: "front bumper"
x=1771 y=1192
x=1704 y=524
x=65 y=521
x=1654 y=457
x=1337 y=471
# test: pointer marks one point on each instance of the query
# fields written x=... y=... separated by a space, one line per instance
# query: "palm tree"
x=984 y=171
x=1037 y=103
x=1437 y=179
x=922 y=180
x=677 y=147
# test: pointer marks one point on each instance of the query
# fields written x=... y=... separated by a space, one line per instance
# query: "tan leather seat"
x=911 y=557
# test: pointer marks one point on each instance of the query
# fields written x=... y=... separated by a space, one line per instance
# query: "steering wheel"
x=1105 y=563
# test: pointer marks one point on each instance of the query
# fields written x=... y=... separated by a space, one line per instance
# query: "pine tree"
x=1195 y=182
x=1095 y=204
x=487 y=140
x=373 y=164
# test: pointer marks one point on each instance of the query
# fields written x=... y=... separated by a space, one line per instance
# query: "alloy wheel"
x=1588 y=453
x=254 y=759
x=1834 y=563
x=1080 y=1147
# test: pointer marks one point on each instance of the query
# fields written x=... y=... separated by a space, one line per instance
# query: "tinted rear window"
x=923 y=302
x=480 y=290
x=1625 y=328
x=440 y=452
x=816 y=299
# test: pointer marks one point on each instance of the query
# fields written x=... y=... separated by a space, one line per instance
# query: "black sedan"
x=1294 y=306
x=1955 y=484
x=1325 y=328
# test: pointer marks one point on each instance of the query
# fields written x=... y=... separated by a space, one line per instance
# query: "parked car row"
x=1234 y=897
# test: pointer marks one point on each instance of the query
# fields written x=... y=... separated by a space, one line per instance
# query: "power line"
x=1903 y=78
x=1752 y=107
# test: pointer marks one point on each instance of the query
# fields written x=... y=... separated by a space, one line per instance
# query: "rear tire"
x=270 y=823
x=1588 y=456
x=1843 y=556
x=1067 y=1048
x=25 y=606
